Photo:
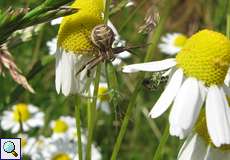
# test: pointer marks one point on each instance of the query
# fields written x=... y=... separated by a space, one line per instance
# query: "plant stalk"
x=78 y=125
x=154 y=41
x=91 y=113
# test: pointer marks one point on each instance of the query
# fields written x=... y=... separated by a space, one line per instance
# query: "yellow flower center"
x=21 y=112
x=103 y=94
x=61 y=156
x=205 y=56
x=202 y=130
x=180 y=40
x=60 y=126
x=74 y=32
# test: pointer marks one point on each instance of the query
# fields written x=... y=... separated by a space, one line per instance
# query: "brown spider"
x=102 y=37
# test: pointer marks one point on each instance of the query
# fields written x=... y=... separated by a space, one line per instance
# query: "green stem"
x=228 y=26
x=107 y=4
x=228 y=20
x=92 y=113
x=92 y=107
x=78 y=124
x=125 y=121
x=164 y=139
x=154 y=41
x=132 y=15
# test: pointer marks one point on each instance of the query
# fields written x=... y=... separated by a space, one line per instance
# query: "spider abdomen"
x=102 y=36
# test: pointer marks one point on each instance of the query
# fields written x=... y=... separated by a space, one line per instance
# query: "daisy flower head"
x=66 y=149
x=197 y=77
x=199 y=146
x=27 y=115
x=172 y=43
x=37 y=146
x=103 y=97
x=33 y=146
x=74 y=47
x=60 y=149
x=63 y=127
x=26 y=143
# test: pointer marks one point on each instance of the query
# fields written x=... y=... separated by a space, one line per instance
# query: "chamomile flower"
x=172 y=43
x=63 y=127
x=198 y=146
x=26 y=114
x=197 y=76
x=74 y=47
x=37 y=146
x=26 y=142
x=33 y=146
x=66 y=149
x=103 y=97
x=60 y=149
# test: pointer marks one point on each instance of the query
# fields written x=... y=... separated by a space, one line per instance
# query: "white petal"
x=193 y=149
x=15 y=128
x=110 y=24
x=58 y=74
x=116 y=61
x=176 y=131
x=69 y=66
x=168 y=95
x=56 y=21
x=150 y=66
x=32 y=108
x=227 y=78
x=187 y=105
x=218 y=114
x=124 y=55
x=105 y=107
x=7 y=124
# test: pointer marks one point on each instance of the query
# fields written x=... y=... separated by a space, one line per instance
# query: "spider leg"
x=118 y=50
x=94 y=63
x=87 y=63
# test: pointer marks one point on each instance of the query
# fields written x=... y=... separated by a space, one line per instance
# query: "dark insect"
x=155 y=81
x=102 y=37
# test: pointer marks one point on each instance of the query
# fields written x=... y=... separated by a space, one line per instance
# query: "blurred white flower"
x=60 y=149
x=56 y=21
x=103 y=97
x=52 y=46
x=130 y=3
x=27 y=33
x=26 y=114
x=67 y=150
x=25 y=143
x=172 y=43
x=64 y=127
x=33 y=146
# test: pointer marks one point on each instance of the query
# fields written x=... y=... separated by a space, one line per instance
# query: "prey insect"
x=155 y=81
x=102 y=38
